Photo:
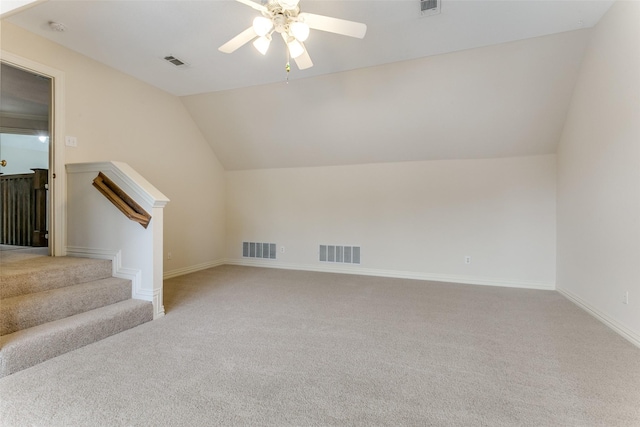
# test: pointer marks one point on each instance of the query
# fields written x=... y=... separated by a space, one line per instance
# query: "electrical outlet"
x=625 y=298
x=169 y=255
x=467 y=259
x=282 y=249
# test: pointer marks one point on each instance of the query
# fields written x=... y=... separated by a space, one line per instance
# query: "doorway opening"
x=25 y=161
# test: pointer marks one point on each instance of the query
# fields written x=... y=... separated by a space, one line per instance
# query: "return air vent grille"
x=258 y=250
x=175 y=61
x=340 y=254
x=429 y=7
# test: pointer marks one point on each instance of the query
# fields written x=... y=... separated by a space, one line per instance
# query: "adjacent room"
x=394 y=212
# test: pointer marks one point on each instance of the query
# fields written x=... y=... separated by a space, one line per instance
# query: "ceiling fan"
x=284 y=17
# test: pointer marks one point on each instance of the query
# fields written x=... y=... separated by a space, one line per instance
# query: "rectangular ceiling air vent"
x=175 y=61
x=429 y=7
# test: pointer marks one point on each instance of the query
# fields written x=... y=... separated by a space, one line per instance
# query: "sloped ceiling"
x=481 y=79
x=497 y=101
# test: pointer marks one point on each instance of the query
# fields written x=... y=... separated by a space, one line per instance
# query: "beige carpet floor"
x=10 y=253
x=265 y=347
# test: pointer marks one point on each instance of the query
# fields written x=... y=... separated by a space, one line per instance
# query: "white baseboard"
x=135 y=275
x=631 y=336
x=116 y=266
x=192 y=269
x=350 y=269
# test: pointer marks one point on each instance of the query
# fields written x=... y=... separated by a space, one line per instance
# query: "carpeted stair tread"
x=28 y=347
x=44 y=273
x=26 y=311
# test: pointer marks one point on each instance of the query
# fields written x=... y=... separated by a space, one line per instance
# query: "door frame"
x=57 y=172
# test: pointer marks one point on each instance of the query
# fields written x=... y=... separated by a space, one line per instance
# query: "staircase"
x=50 y=306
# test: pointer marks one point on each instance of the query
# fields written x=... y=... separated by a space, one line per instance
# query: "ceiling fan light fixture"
x=289 y=4
x=295 y=48
x=262 y=26
x=300 y=31
x=285 y=18
x=262 y=44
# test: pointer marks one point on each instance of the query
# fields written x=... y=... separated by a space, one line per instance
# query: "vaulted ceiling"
x=480 y=79
x=498 y=101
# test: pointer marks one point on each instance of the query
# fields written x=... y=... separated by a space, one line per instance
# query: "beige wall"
x=116 y=117
x=413 y=219
x=599 y=176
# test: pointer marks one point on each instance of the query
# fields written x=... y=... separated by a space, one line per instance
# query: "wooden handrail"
x=121 y=200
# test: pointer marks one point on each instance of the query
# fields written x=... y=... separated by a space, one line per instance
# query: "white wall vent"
x=340 y=254
x=429 y=7
x=258 y=250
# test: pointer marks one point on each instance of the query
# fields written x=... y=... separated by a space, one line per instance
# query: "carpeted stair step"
x=45 y=273
x=26 y=311
x=28 y=347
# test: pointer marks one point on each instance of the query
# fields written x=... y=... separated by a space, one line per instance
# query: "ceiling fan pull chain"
x=287 y=67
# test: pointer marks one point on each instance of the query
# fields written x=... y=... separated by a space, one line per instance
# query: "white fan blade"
x=334 y=25
x=304 y=61
x=256 y=6
x=238 y=41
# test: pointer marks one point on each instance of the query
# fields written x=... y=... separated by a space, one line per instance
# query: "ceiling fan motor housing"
x=282 y=14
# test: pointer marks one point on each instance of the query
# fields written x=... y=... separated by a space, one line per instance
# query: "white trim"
x=132 y=274
x=116 y=266
x=136 y=183
x=619 y=328
x=57 y=235
x=355 y=269
x=192 y=269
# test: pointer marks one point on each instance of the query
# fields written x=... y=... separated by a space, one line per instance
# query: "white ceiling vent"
x=429 y=7
x=175 y=61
